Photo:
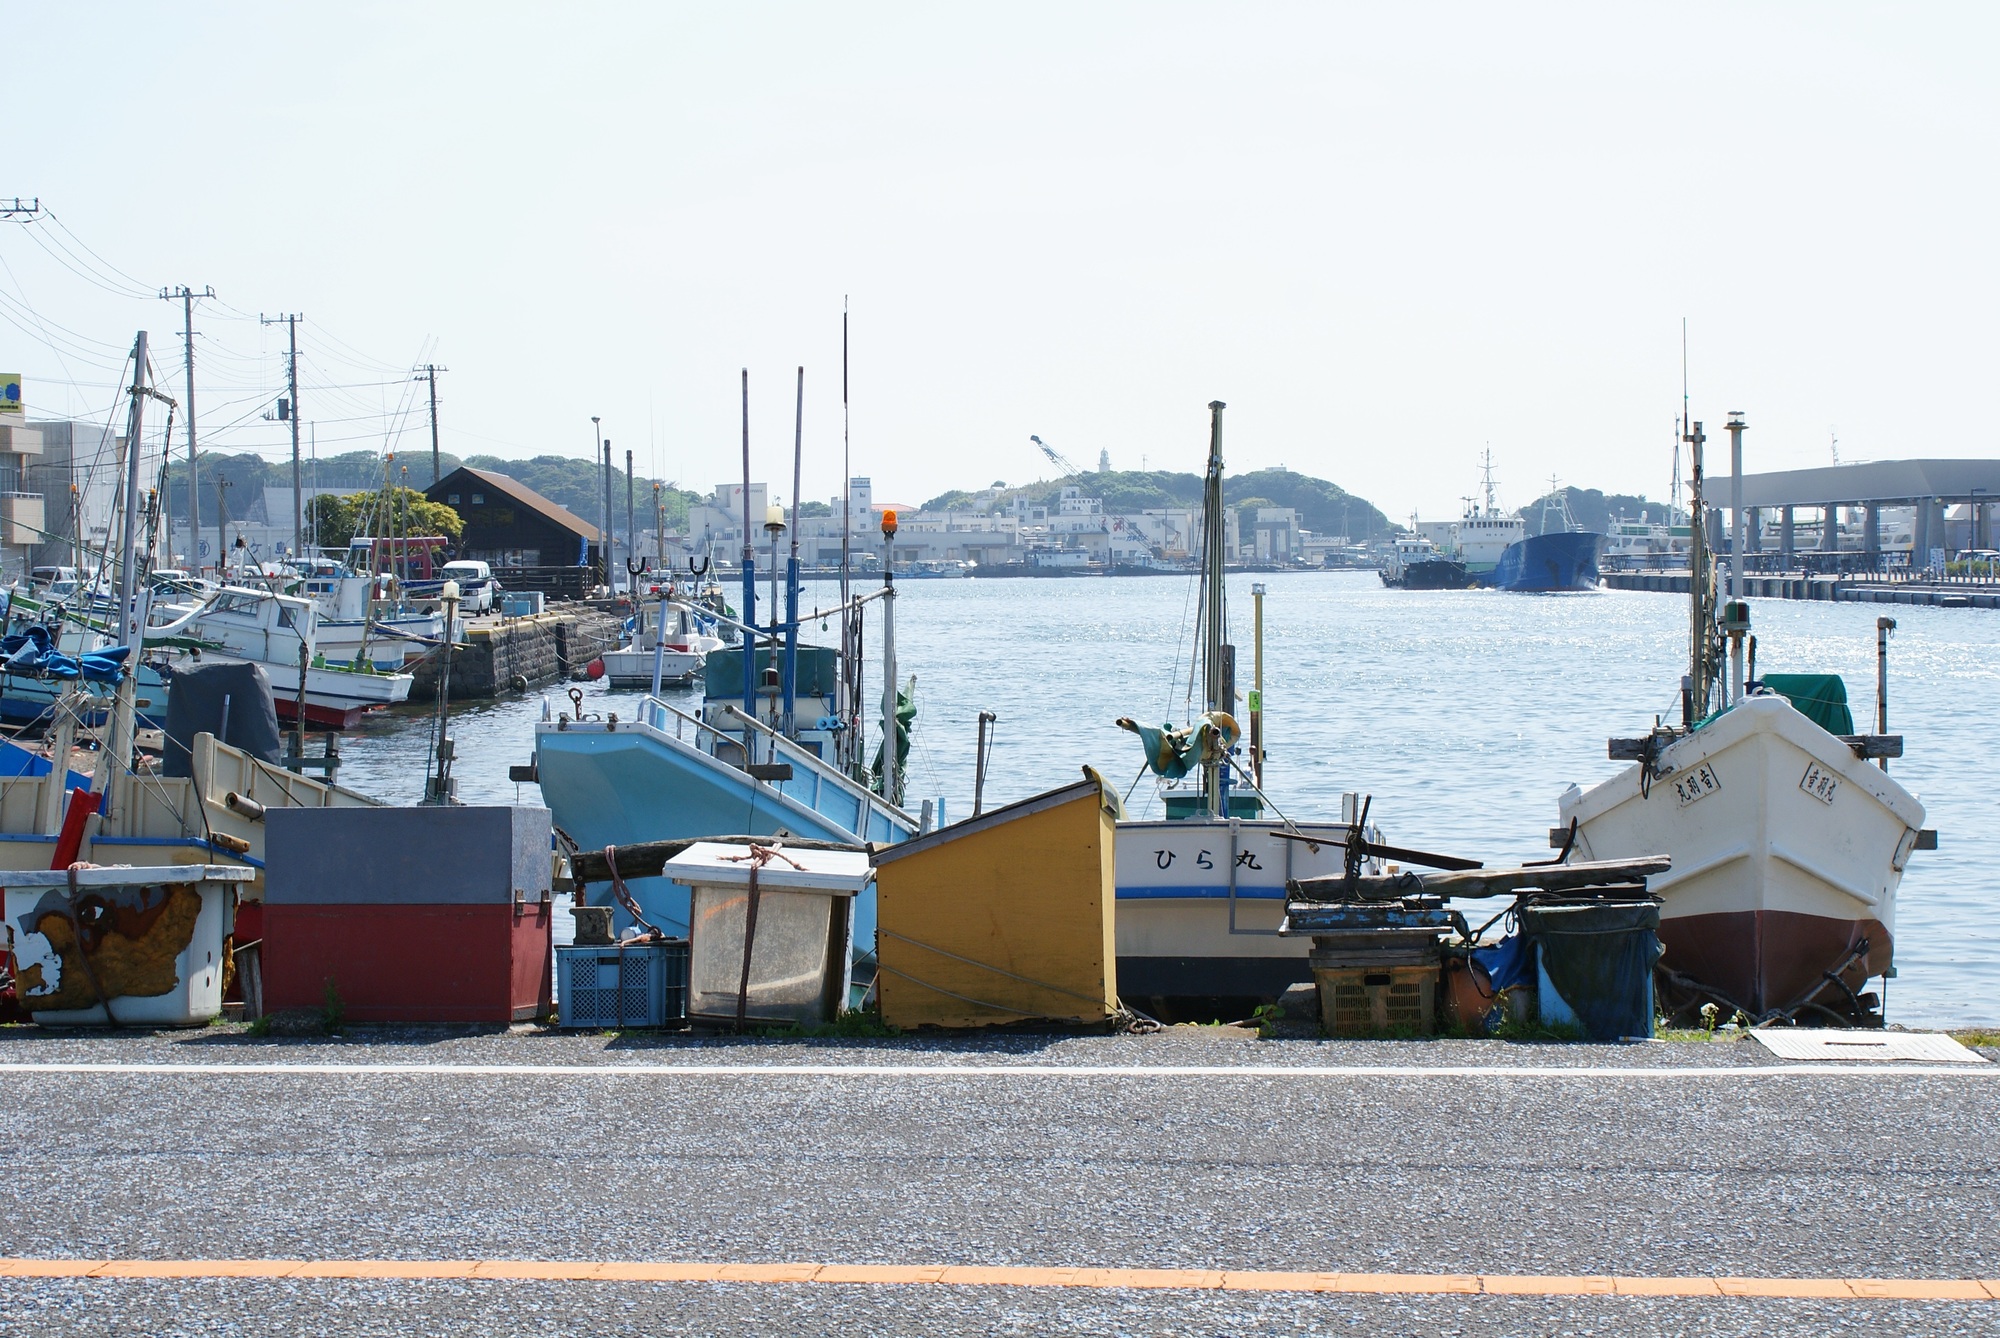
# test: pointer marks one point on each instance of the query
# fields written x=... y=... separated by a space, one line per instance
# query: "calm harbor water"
x=1464 y=713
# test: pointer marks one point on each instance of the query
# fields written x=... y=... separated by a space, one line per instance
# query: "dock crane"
x=1056 y=458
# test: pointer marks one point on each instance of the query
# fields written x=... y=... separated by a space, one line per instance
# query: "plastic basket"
x=644 y=985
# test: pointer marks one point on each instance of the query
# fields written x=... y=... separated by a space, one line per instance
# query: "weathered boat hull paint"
x=1780 y=954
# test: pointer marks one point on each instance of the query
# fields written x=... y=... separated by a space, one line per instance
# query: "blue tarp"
x=1507 y=963
x=34 y=653
x=18 y=761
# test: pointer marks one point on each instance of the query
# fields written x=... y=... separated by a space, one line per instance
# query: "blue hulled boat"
x=1545 y=563
x=670 y=774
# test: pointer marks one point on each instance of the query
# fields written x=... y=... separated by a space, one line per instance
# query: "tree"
x=336 y=520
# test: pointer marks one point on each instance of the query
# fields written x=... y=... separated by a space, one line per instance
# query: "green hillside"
x=1323 y=507
x=566 y=481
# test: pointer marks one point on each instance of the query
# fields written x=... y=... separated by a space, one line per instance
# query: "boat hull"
x=1434 y=574
x=1563 y=560
x=335 y=698
x=1199 y=903
x=632 y=668
x=621 y=784
x=1787 y=854
x=26 y=701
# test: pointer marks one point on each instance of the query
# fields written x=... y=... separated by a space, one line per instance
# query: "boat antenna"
x=1680 y=428
x=1491 y=508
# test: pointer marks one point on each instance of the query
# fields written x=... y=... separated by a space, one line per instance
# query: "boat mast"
x=117 y=756
x=749 y=572
x=850 y=706
x=1213 y=665
x=1701 y=591
x=791 y=679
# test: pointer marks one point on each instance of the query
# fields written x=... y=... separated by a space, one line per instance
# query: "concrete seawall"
x=497 y=655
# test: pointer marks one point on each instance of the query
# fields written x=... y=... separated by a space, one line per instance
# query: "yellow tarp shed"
x=1002 y=918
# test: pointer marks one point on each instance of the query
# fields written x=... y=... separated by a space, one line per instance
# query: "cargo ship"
x=1543 y=563
x=1562 y=557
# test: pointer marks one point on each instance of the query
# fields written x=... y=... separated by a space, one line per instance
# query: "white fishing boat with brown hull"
x=1787 y=848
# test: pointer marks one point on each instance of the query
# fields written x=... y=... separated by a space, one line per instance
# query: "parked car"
x=476 y=587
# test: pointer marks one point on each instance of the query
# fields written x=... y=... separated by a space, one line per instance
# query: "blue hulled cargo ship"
x=1542 y=563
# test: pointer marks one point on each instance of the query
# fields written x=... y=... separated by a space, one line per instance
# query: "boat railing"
x=762 y=745
x=781 y=748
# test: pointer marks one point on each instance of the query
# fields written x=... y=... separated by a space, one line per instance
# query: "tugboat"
x=1416 y=564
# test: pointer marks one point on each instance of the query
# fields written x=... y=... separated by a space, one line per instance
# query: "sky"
x=1390 y=237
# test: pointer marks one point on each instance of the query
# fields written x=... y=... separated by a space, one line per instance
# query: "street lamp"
x=774 y=525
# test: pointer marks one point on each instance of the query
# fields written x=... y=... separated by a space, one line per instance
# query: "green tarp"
x=1174 y=752
x=906 y=719
x=1820 y=698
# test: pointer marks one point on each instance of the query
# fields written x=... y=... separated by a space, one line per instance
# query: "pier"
x=497 y=654
x=1863 y=588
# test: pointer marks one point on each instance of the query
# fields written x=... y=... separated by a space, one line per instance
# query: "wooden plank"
x=1487 y=882
x=646 y=859
x=124 y=876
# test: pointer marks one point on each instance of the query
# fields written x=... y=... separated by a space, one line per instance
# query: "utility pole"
x=187 y=297
x=603 y=542
x=221 y=529
x=429 y=372
x=291 y=322
x=610 y=533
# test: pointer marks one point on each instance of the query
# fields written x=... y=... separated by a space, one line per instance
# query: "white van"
x=476 y=586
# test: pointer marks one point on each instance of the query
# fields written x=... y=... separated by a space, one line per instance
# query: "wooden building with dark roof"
x=529 y=541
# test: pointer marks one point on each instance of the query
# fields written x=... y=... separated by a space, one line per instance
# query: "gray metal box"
x=489 y=855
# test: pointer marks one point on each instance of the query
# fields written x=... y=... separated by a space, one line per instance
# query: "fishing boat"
x=1201 y=893
x=776 y=748
x=204 y=806
x=277 y=631
x=1788 y=844
x=48 y=650
x=680 y=654
x=352 y=632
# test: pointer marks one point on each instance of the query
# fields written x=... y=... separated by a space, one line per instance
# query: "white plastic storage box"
x=644 y=985
x=796 y=949
x=150 y=939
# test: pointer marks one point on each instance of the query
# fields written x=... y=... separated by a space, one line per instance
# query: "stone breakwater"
x=496 y=655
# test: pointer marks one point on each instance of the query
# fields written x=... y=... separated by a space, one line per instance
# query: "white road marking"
x=1875 y=1070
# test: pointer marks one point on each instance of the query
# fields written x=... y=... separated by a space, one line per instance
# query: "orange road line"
x=1184 y=1279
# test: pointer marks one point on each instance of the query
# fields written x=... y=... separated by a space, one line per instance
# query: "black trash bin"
x=1595 y=963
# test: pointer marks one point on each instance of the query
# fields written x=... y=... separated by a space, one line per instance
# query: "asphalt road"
x=1451 y=1157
